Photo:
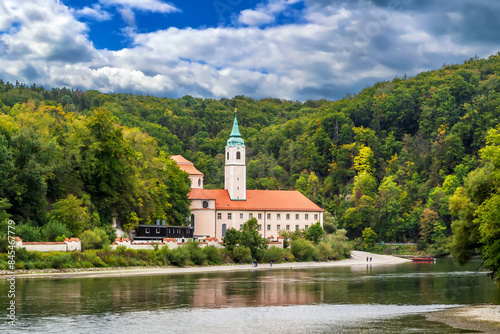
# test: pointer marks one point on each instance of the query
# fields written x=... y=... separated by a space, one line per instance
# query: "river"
x=386 y=299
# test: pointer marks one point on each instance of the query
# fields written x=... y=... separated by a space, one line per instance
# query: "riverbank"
x=483 y=318
x=358 y=260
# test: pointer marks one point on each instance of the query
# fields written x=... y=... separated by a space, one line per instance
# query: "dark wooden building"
x=158 y=232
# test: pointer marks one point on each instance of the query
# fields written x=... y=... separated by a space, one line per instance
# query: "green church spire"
x=235 y=137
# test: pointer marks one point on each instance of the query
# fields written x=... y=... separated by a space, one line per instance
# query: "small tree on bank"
x=250 y=237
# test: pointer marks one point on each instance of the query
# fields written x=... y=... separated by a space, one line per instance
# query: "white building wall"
x=269 y=225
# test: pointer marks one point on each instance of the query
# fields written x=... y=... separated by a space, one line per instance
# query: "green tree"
x=232 y=239
x=477 y=207
x=72 y=213
x=250 y=237
x=315 y=233
x=369 y=238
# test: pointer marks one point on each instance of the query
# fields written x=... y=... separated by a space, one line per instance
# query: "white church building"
x=213 y=211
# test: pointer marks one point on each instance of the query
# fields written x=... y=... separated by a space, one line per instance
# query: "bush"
x=302 y=250
x=62 y=260
x=323 y=252
x=213 y=255
x=54 y=229
x=242 y=254
x=341 y=247
x=179 y=256
x=196 y=254
x=96 y=239
x=275 y=254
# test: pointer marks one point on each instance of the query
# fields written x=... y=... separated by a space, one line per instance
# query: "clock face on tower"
x=237 y=147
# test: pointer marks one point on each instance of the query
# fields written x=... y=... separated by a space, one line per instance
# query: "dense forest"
x=403 y=160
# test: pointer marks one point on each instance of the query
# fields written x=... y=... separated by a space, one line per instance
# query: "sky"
x=287 y=49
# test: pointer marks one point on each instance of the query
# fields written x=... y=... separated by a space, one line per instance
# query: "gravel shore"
x=483 y=318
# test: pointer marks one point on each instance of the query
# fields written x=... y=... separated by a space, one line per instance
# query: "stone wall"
x=68 y=245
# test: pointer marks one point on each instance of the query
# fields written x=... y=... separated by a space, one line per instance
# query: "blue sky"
x=289 y=49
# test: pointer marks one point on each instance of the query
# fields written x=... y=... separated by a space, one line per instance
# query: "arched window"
x=224 y=227
x=227 y=155
x=199 y=182
x=238 y=155
x=192 y=220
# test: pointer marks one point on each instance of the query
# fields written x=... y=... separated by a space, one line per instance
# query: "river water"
x=389 y=299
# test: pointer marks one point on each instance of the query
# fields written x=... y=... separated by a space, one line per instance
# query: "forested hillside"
x=389 y=158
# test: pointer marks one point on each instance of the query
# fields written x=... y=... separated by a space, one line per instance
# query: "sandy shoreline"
x=358 y=259
x=483 y=318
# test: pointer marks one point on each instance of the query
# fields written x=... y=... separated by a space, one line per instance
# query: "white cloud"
x=255 y=17
x=324 y=56
x=264 y=13
x=43 y=30
x=96 y=12
x=156 y=6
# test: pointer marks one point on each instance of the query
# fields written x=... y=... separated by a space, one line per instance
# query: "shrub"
x=275 y=254
x=323 y=252
x=54 y=229
x=62 y=260
x=339 y=244
x=213 y=255
x=179 y=256
x=196 y=254
x=242 y=254
x=95 y=239
x=90 y=240
x=302 y=250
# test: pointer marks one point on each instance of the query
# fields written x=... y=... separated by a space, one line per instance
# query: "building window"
x=278 y=227
x=204 y=204
x=219 y=215
x=229 y=216
x=157 y=231
x=260 y=227
x=287 y=216
x=227 y=155
x=268 y=216
x=241 y=227
x=260 y=215
x=307 y=216
x=307 y=226
x=278 y=216
x=296 y=216
x=315 y=216
x=268 y=227
x=288 y=227
x=223 y=230
x=199 y=182
x=250 y=215
x=241 y=216
x=296 y=227
x=147 y=230
x=238 y=155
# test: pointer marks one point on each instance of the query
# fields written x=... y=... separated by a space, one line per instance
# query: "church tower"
x=235 y=170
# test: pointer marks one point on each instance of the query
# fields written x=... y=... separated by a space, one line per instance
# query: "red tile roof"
x=258 y=200
x=185 y=165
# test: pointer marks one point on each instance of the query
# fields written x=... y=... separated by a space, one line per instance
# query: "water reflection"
x=381 y=289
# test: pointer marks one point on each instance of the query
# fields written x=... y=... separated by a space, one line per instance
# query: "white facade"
x=235 y=173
